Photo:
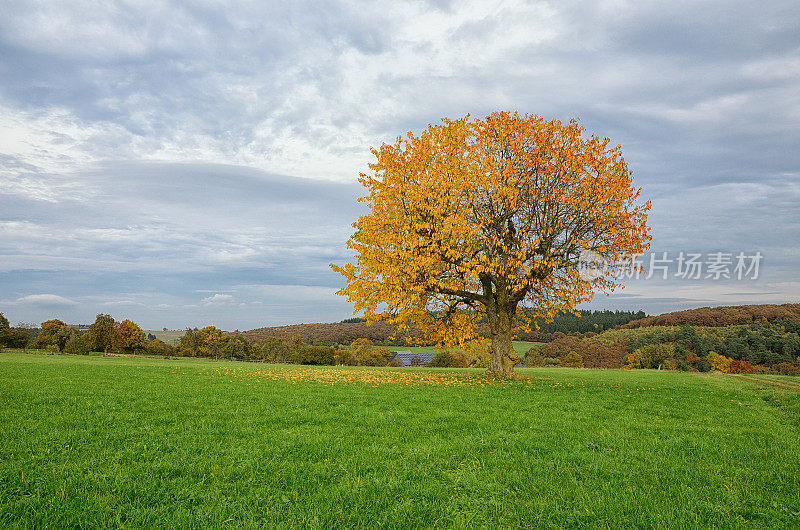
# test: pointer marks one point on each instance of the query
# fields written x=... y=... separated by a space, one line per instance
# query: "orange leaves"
x=369 y=376
x=129 y=336
x=495 y=208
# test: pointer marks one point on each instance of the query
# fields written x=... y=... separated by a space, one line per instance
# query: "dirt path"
x=780 y=384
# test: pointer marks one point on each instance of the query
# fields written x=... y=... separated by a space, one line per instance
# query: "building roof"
x=405 y=357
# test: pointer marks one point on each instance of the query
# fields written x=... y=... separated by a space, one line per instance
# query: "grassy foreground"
x=102 y=441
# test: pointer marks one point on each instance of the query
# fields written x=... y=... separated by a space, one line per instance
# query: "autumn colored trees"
x=480 y=218
x=100 y=336
x=129 y=337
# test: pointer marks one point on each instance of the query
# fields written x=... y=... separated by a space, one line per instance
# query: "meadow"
x=170 y=336
x=150 y=442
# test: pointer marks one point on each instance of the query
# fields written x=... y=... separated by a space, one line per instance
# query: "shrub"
x=449 y=359
x=787 y=369
x=719 y=363
x=366 y=354
x=669 y=364
x=651 y=356
x=741 y=367
x=551 y=361
x=159 y=347
x=572 y=360
x=477 y=353
x=344 y=357
x=533 y=358
x=316 y=355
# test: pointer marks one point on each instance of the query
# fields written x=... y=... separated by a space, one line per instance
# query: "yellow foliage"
x=719 y=363
x=479 y=218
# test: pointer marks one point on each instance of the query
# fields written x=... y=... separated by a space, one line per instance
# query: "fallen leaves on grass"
x=373 y=377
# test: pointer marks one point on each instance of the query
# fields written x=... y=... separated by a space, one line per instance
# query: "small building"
x=407 y=358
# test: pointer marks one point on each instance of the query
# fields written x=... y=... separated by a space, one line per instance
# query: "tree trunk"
x=502 y=352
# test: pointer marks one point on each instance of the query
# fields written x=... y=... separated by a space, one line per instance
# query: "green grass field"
x=171 y=337
x=133 y=442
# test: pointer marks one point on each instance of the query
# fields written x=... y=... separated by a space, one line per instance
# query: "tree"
x=316 y=355
x=481 y=218
x=20 y=336
x=129 y=337
x=212 y=340
x=54 y=333
x=75 y=343
x=366 y=354
x=5 y=327
x=190 y=343
x=273 y=350
x=236 y=347
x=100 y=336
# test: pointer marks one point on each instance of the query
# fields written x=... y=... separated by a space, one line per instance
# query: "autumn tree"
x=273 y=350
x=236 y=347
x=4 y=330
x=212 y=340
x=486 y=217
x=53 y=333
x=129 y=337
x=100 y=336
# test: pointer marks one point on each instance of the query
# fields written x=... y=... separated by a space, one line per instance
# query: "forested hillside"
x=384 y=333
x=722 y=316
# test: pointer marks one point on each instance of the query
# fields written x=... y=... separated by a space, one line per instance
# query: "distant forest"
x=348 y=330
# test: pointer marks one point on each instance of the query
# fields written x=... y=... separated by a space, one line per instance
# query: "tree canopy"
x=484 y=217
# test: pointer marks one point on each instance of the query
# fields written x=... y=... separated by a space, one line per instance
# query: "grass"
x=133 y=442
x=521 y=347
x=169 y=336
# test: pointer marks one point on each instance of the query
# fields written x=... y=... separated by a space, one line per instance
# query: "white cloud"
x=217 y=299
x=46 y=300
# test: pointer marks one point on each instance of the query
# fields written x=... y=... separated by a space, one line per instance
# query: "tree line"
x=106 y=335
x=771 y=347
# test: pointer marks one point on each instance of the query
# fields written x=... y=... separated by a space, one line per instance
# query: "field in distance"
x=169 y=336
x=148 y=442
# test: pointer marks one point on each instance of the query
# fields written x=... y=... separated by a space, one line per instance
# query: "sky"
x=191 y=165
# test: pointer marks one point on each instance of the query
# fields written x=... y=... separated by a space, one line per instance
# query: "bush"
x=159 y=347
x=571 y=360
x=533 y=358
x=787 y=369
x=316 y=355
x=741 y=367
x=651 y=356
x=719 y=363
x=448 y=359
x=551 y=361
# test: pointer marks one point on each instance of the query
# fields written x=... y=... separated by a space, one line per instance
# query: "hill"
x=384 y=333
x=722 y=316
x=334 y=333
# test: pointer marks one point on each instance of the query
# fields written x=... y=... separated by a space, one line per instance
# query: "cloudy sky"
x=184 y=166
